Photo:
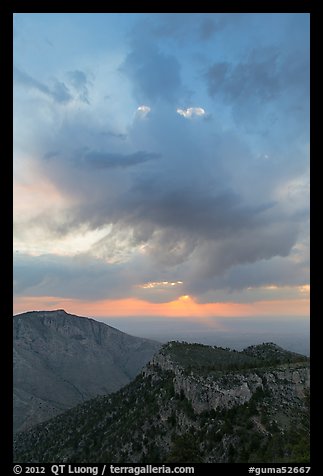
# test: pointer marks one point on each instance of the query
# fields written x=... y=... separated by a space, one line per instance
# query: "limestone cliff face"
x=61 y=360
x=287 y=383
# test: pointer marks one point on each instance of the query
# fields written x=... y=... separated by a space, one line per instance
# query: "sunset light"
x=153 y=179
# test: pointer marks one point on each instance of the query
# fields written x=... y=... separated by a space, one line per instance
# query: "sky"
x=161 y=166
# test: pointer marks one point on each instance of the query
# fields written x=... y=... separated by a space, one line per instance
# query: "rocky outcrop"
x=60 y=360
x=234 y=388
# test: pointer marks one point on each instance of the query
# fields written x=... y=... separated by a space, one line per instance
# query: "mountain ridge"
x=223 y=409
x=61 y=359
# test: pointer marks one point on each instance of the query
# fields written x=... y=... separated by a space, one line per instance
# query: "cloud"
x=143 y=111
x=59 y=92
x=85 y=276
x=258 y=76
x=256 y=87
x=187 y=28
x=50 y=154
x=68 y=277
x=20 y=77
x=266 y=279
x=191 y=111
x=102 y=160
x=159 y=284
x=182 y=218
x=208 y=27
x=81 y=83
x=172 y=200
x=116 y=135
x=154 y=74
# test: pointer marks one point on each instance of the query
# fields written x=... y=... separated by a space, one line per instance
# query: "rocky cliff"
x=219 y=390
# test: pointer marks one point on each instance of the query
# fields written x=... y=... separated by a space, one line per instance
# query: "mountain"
x=191 y=403
x=60 y=360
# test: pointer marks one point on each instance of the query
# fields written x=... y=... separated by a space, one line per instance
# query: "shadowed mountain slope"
x=61 y=360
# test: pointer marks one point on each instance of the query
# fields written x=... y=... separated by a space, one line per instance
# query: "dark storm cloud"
x=211 y=214
x=102 y=160
x=171 y=253
x=213 y=258
x=185 y=208
x=116 y=135
x=277 y=271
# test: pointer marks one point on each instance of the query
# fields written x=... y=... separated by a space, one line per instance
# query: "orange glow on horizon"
x=184 y=306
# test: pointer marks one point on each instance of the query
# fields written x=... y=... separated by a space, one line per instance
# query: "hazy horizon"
x=233 y=332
